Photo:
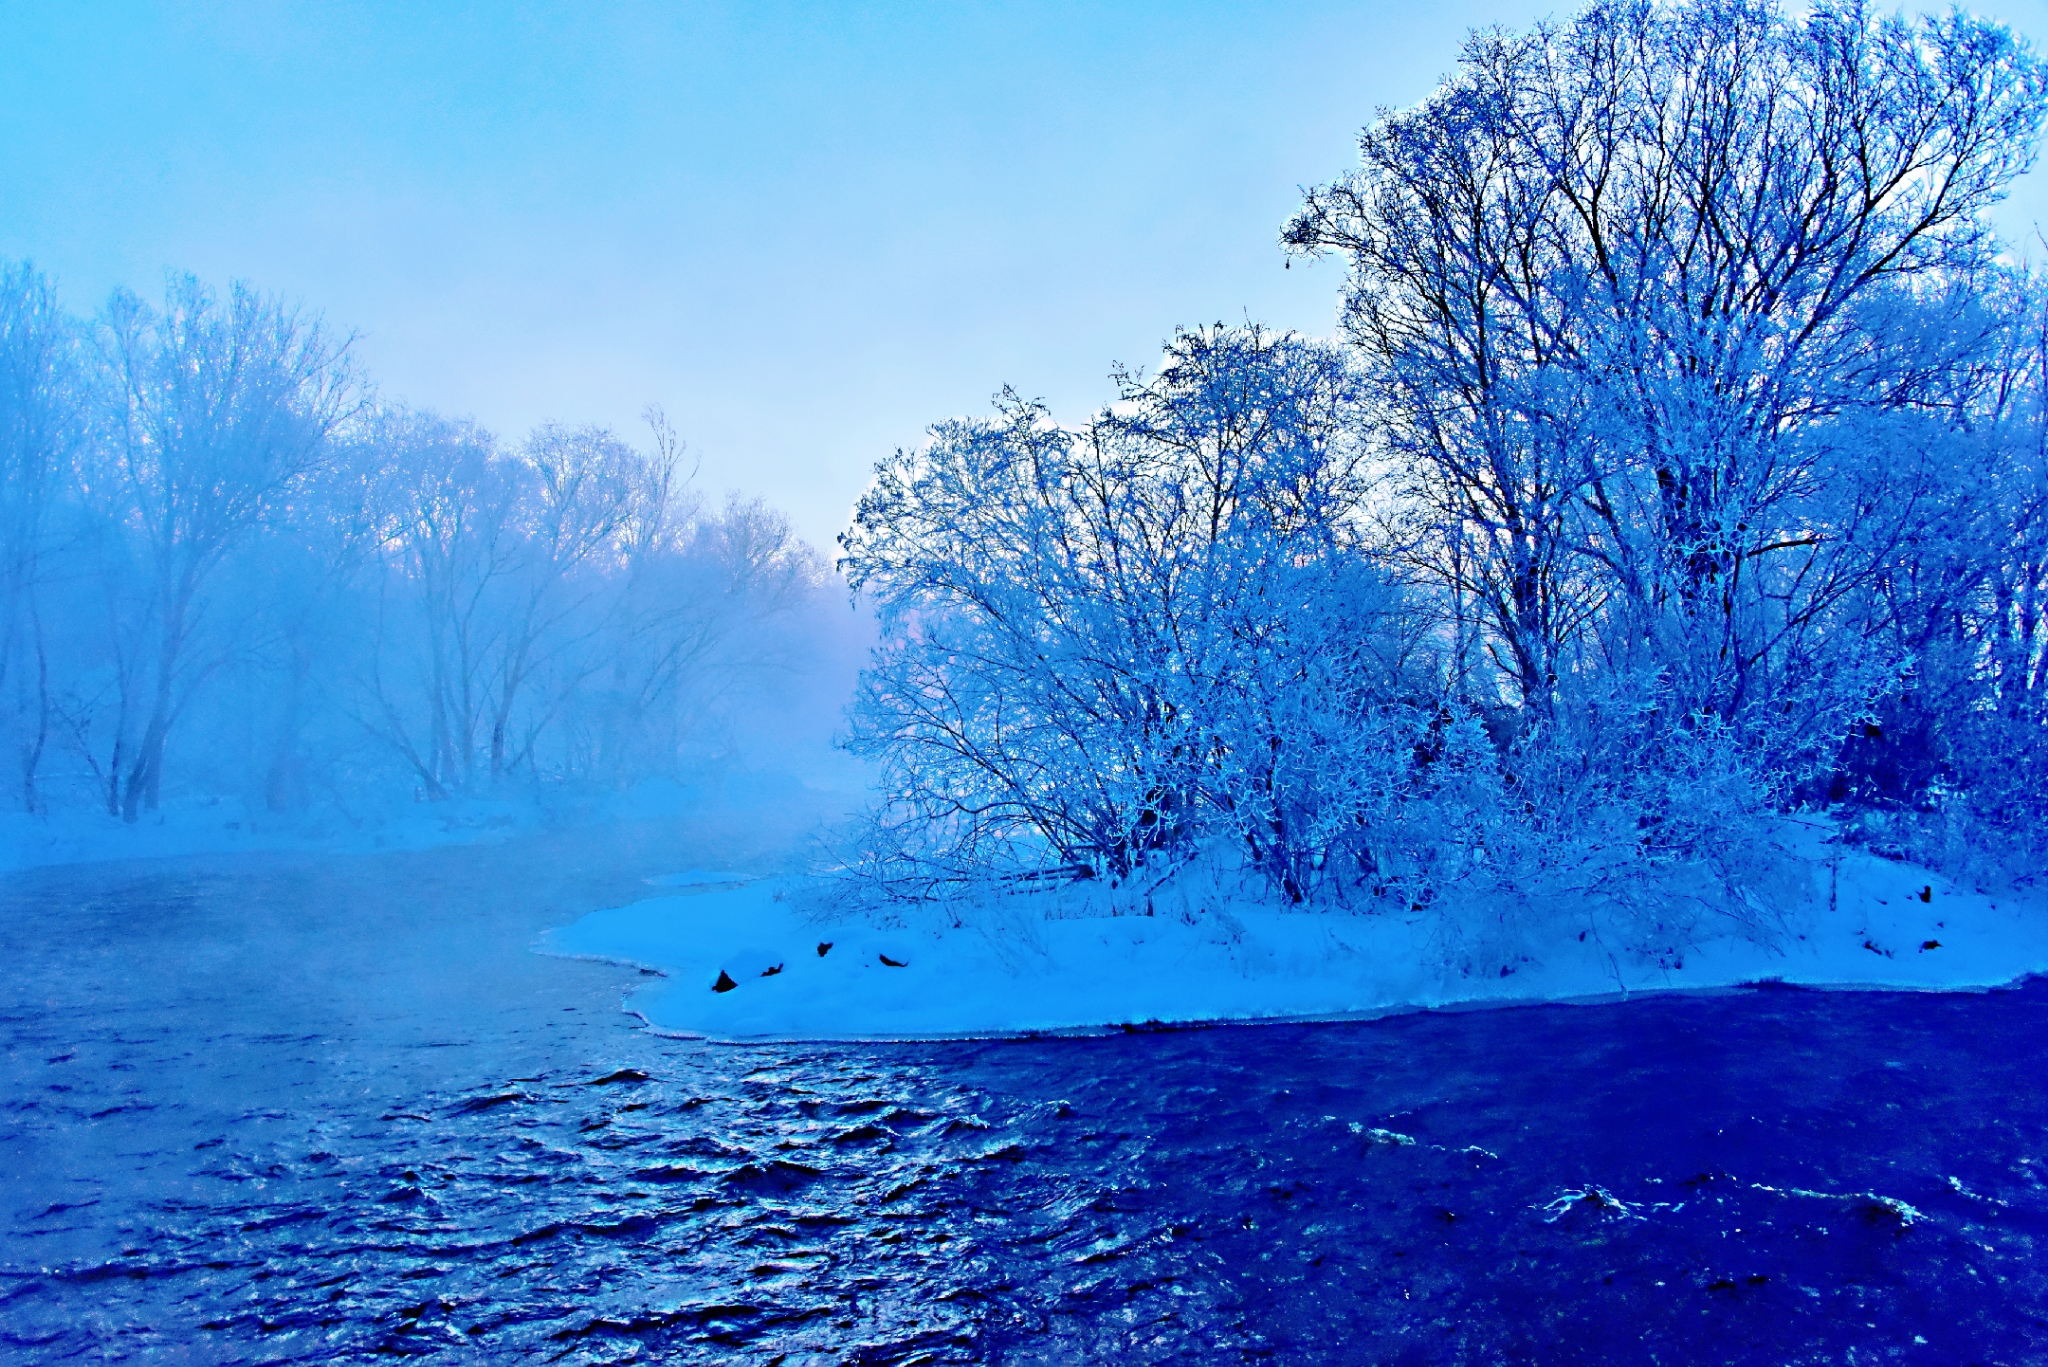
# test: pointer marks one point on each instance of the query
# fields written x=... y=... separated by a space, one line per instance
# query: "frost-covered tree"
x=1117 y=646
x=214 y=414
x=1960 y=601
x=1638 y=291
x=717 y=612
x=220 y=563
x=561 y=610
x=1700 y=424
x=41 y=421
x=441 y=509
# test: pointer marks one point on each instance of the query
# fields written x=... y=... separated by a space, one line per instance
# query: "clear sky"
x=805 y=230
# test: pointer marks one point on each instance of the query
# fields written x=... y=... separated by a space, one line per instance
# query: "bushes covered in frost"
x=1112 y=647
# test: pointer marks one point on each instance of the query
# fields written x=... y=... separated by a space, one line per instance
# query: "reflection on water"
x=271 y=1112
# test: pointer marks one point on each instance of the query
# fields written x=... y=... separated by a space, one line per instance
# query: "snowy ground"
x=1870 y=922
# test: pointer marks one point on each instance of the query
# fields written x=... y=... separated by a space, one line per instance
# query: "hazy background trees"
x=227 y=570
x=41 y=420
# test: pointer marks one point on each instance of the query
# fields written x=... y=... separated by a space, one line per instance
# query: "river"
x=285 y=1109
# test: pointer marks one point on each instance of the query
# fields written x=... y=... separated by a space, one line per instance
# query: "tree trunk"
x=145 y=776
x=32 y=753
x=284 y=785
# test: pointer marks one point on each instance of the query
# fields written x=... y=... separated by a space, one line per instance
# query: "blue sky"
x=806 y=230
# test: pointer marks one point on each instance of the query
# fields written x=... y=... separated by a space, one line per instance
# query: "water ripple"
x=197 y=1172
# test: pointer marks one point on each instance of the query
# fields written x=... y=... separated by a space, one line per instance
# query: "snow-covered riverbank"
x=1872 y=922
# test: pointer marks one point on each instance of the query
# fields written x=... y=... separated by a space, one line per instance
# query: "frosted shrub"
x=1646 y=831
x=1106 y=651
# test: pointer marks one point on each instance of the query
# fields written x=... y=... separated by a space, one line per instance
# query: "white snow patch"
x=1872 y=923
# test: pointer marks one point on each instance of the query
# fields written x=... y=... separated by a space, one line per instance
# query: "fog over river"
x=279 y=1109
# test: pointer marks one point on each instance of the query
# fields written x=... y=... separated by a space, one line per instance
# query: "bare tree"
x=214 y=414
x=587 y=493
x=444 y=510
x=39 y=432
x=543 y=611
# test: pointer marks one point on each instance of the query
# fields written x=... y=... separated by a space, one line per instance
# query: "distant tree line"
x=227 y=569
x=1684 y=461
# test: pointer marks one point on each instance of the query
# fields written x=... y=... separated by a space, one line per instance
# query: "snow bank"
x=1871 y=923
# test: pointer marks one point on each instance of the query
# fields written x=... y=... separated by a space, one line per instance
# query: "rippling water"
x=276 y=1111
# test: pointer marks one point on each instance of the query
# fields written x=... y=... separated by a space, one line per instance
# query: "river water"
x=277 y=1109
